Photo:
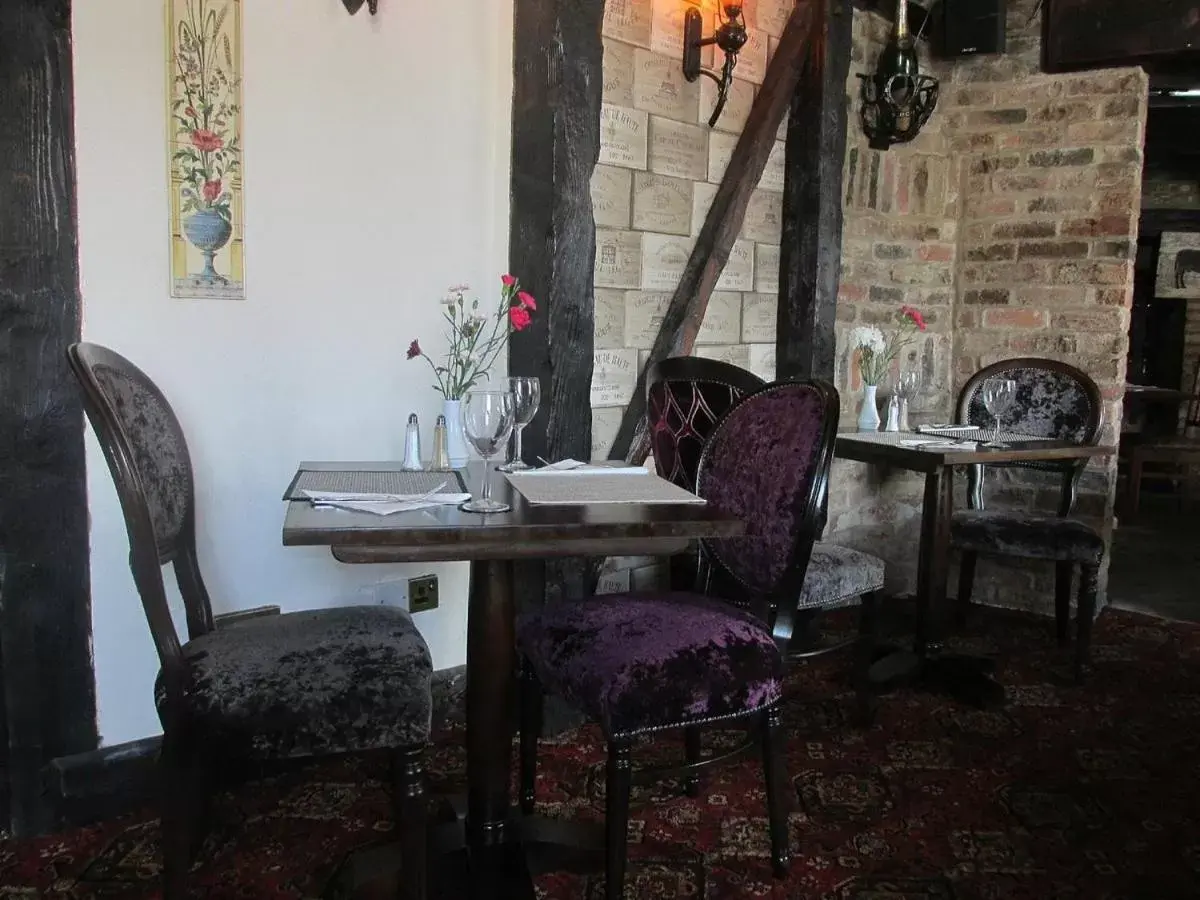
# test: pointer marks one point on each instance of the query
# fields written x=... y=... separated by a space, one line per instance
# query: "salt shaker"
x=441 y=453
x=893 y=414
x=412 y=446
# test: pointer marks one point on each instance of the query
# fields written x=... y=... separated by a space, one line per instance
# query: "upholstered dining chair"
x=642 y=663
x=1177 y=454
x=1053 y=400
x=685 y=398
x=257 y=687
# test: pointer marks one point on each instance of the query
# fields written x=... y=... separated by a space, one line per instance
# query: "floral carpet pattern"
x=1065 y=793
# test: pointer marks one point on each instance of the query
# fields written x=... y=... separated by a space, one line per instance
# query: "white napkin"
x=384 y=504
x=575 y=467
x=938 y=444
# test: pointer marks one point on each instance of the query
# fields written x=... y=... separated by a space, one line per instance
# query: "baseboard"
x=114 y=781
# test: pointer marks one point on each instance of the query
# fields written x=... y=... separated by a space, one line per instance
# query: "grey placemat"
x=573 y=489
x=373 y=483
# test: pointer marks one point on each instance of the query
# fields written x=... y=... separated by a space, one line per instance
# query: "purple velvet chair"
x=642 y=663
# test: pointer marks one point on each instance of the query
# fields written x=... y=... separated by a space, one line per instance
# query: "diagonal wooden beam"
x=685 y=313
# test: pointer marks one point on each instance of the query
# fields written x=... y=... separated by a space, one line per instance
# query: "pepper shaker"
x=441 y=452
x=893 y=414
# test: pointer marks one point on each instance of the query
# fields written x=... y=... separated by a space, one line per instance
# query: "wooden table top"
x=884 y=448
x=526 y=532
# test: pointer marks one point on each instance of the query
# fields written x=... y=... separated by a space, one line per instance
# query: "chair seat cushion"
x=837 y=574
x=637 y=662
x=306 y=683
x=1029 y=535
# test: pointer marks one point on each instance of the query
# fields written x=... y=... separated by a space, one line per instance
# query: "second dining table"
x=494 y=835
x=965 y=677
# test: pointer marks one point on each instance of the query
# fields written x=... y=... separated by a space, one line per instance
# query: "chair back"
x=1193 y=410
x=148 y=458
x=685 y=397
x=767 y=463
x=1053 y=400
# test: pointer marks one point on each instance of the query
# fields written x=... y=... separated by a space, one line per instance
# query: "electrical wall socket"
x=422 y=593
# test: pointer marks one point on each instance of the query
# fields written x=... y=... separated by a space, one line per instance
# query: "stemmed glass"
x=527 y=394
x=488 y=421
x=908 y=385
x=998 y=395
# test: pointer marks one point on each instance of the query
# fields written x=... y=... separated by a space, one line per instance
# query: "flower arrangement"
x=876 y=352
x=205 y=114
x=474 y=343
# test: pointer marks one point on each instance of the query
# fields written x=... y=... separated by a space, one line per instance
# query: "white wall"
x=376 y=174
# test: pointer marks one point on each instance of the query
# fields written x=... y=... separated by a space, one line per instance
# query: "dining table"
x=928 y=664
x=492 y=851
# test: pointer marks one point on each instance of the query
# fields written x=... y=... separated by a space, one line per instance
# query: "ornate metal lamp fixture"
x=730 y=37
x=353 y=6
x=897 y=100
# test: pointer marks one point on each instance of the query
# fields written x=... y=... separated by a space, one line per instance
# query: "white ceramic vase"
x=868 y=416
x=456 y=438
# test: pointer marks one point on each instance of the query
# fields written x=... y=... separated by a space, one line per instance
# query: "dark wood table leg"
x=966 y=678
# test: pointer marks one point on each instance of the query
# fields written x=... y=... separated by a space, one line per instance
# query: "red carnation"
x=914 y=316
x=527 y=300
x=212 y=190
x=414 y=350
x=508 y=281
x=519 y=317
x=207 y=140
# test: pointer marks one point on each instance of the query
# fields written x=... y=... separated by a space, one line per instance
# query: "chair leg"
x=692 y=748
x=966 y=585
x=1064 y=573
x=616 y=818
x=777 y=790
x=181 y=807
x=409 y=802
x=868 y=631
x=1089 y=585
x=532 y=701
x=1134 y=493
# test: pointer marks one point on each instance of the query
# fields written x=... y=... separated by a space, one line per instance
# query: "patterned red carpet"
x=1065 y=794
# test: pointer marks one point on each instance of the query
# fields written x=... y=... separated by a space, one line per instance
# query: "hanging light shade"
x=897 y=100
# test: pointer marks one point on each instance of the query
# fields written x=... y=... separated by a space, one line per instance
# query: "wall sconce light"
x=730 y=37
x=353 y=6
x=897 y=100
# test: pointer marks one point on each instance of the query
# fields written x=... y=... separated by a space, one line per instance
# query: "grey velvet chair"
x=649 y=662
x=685 y=398
x=248 y=687
x=1053 y=400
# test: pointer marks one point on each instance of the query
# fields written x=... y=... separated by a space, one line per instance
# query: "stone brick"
x=1112 y=296
x=1021 y=181
x=1071 y=111
x=1091 y=273
x=985 y=165
x=920 y=273
x=997 y=117
x=988 y=297
x=1048 y=158
x=1055 y=344
x=1059 y=204
x=1014 y=318
x=1104 y=321
x=1053 y=250
x=892 y=295
x=1103 y=226
x=1025 y=230
x=936 y=252
x=1115 y=249
x=893 y=251
x=992 y=253
x=1097 y=132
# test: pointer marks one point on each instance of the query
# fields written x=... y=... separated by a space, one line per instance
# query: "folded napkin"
x=575 y=467
x=384 y=504
x=938 y=444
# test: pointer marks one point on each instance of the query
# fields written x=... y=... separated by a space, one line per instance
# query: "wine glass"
x=908 y=385
x=488 y=422
x=998 y=395
x=527 y=394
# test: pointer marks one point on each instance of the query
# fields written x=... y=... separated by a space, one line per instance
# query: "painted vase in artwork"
x=208 y=232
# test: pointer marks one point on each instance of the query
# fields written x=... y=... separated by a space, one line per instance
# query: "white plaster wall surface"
x=376 y=174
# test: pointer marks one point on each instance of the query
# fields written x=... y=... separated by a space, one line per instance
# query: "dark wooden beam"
x=685 y=313
x=1154 y=222
x=46 y=617
x=810 y=255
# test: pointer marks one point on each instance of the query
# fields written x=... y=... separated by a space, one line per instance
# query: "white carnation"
x=868 y=337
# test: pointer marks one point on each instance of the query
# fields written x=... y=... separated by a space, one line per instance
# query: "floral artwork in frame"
x=204 y=79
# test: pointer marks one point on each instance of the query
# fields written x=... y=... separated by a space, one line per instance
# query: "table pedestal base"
x=967 y=679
